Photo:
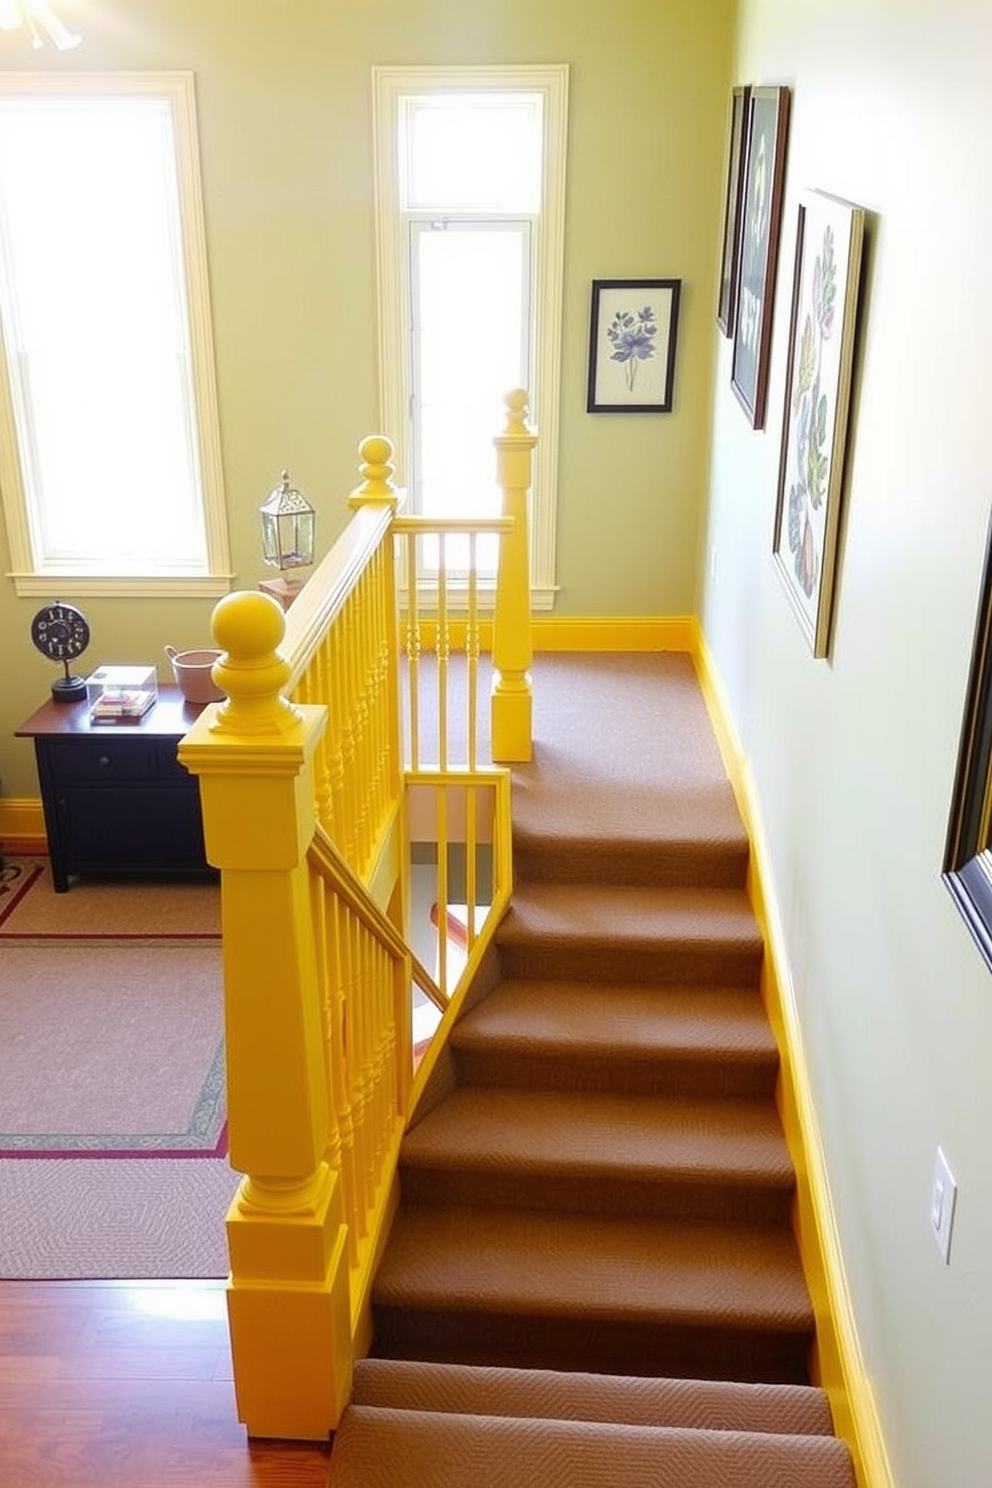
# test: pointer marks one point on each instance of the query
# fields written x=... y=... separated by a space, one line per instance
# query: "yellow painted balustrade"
x=341 y=642
x=310 y=794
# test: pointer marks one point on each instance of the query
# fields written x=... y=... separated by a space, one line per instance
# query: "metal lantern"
x=287 y=527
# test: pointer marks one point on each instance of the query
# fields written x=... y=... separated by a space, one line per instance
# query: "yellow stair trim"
x=840 y=1362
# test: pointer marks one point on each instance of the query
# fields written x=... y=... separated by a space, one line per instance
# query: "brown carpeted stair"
x=444 y=1426
x=596 y=1185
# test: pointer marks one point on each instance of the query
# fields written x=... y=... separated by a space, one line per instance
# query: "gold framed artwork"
x=829 y=237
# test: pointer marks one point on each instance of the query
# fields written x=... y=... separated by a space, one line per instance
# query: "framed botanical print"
x=829 y=236
x=761 y=210
x=632 y=337
x=730 y=261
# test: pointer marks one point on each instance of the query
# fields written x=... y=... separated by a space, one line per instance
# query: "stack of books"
x=121 y=704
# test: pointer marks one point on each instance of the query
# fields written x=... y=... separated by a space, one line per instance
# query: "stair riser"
x=693 y=1203
x=719 y=870
x=570 y=1343
x=711 y=1405
x=383 y=1448
x=699 y=1078
x=664 y=964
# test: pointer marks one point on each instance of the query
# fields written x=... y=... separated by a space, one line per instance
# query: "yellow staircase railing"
x=311 y=785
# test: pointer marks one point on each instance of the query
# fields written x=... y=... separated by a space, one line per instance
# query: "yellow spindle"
x=472 y=652
x=335 y=698
x=471 y=838
x=443 y=653
x=442 y=887
x=413 y=650
x=512 y=645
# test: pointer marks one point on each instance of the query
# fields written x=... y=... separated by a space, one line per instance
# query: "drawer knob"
x=105 y=759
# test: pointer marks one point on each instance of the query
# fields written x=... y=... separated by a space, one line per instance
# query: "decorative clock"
x=61 y=633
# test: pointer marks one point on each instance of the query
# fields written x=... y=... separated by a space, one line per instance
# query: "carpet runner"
x=592 y=1274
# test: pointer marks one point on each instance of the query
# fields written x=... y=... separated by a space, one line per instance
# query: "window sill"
x=140 y=586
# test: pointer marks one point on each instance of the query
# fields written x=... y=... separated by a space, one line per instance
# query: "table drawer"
x=102 y=760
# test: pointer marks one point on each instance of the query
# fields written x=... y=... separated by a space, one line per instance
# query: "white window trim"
x=389 y=84
x=177 y=89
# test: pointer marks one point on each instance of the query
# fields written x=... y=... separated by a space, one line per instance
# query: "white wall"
x=853 y=757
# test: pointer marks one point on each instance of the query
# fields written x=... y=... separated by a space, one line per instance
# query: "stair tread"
x=629 y=915
x=378 y=1448
x=620 y=1021
x=718 y=1405
x=641 y=1270
x=494 y=1129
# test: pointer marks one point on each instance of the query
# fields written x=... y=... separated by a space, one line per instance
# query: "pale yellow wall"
x=284 y=112
x=854 y=757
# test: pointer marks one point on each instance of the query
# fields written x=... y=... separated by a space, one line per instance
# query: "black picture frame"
x=761 y=215
x=730 y=259
x=967 y=867
x=633 y=333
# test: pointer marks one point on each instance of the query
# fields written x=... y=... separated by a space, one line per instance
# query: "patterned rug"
x=113 y=1132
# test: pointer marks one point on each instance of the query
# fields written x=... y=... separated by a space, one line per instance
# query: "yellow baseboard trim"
x=614 y=632
x=22 y=827
x=839 y=1360
x=580 y=633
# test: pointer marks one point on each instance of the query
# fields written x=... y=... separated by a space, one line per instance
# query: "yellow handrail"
x=333 y=867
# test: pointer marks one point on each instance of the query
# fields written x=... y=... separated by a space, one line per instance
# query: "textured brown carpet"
x=596 y=1185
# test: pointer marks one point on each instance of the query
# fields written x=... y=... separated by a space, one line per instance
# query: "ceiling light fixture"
x=41 y=22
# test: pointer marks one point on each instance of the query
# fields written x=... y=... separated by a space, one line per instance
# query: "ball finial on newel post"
x=516 y=411
x=248 y=627
x=377 y=471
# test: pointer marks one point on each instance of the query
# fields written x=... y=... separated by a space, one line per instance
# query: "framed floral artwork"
x=761 y=209
x=730 y=262
x=829 y=237
x=632 y=340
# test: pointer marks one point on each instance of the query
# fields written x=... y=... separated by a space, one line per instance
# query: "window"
x=109 y=446
x=470 y=215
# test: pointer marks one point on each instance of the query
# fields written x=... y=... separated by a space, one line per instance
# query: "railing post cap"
x=377 y=472
x=517 y=434
x=248 y=623
x=248 y=626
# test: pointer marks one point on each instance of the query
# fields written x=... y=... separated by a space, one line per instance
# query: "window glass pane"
x=475 y=153
x=470 y=349
x=96 y=331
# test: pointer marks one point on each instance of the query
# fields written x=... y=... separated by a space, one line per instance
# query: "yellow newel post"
x=377 y=472
x=288 y=1301
x=512 y=645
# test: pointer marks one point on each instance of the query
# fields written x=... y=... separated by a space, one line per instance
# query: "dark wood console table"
x=115 y=797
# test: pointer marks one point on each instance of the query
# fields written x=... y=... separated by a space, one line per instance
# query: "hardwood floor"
x=129 y=1385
